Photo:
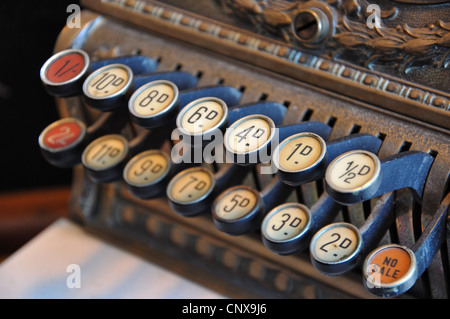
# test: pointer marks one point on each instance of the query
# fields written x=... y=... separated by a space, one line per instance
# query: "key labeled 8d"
x=154 y=103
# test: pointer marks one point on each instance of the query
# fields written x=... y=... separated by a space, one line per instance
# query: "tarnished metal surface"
x=393 y=93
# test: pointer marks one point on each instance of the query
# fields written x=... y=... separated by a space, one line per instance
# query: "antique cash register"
x=268 y=149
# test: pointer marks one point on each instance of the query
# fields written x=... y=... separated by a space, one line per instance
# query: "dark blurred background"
x=32 y=192
x=29 y=30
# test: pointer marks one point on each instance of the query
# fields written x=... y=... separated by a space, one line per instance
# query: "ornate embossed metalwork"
x=402 y=46
x=422 y=2
x=387 y=87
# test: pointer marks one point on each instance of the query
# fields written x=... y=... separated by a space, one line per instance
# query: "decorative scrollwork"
x=349 y=33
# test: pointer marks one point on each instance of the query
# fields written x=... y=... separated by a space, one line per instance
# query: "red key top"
x=64 y=72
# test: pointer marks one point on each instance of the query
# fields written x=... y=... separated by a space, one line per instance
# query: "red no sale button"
x=389 y=264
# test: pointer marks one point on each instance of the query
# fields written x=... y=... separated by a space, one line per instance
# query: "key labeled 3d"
x=283 y=225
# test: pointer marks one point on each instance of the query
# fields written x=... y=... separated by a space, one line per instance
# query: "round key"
x=154 y=103
x=108 y=87
x=333 y=247
x=240 y=209
x=190 y=191
x=301 y=153
x=104 y=156
x=146 y=174
x=248 y=137
x=284 y=225
x=237 y=210
x=202 y=119
x=390 y=270
x=353 y=175
x=63 y=74
x=62 y=142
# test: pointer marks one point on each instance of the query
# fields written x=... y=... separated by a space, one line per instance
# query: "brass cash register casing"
x=323 y=61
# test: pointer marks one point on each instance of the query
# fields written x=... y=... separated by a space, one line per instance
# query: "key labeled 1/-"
x=63 y=73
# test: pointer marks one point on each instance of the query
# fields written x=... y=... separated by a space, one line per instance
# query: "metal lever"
x=359 y=175
x=392 y=269
x=339 y=247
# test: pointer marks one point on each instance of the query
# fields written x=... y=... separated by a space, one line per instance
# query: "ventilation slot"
x=286 y=103
x=331 y=121
x=199 y=74
x=381 y=136
x=307 y=115
x=355 y=129
x=406 y=146
x=263 y=97
x=433 y=153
